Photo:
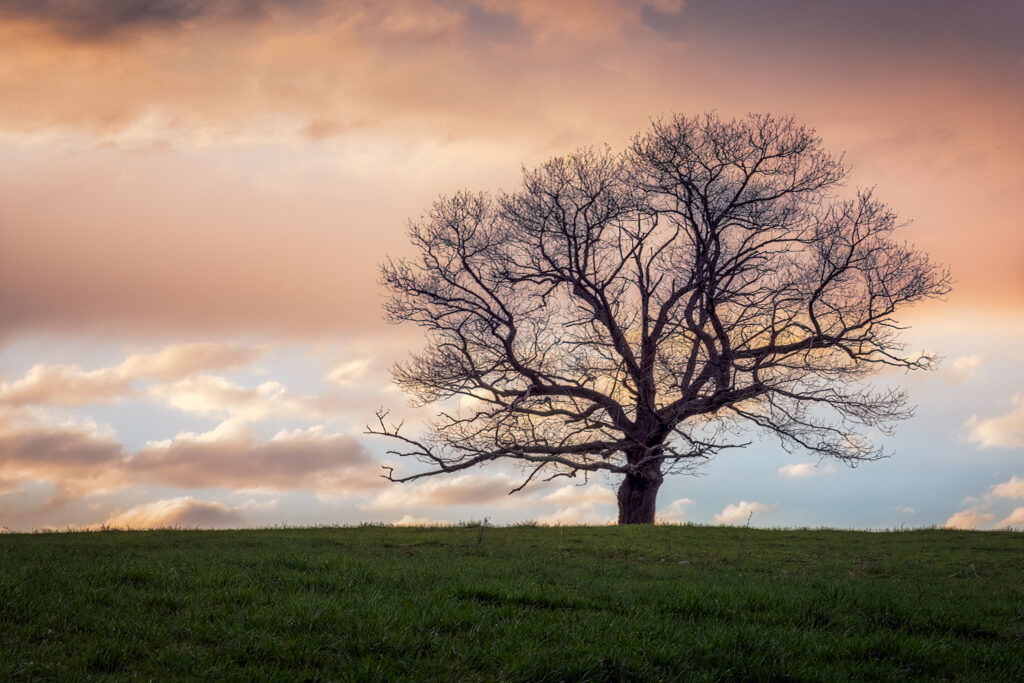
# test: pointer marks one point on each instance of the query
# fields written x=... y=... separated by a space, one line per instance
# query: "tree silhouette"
x=629 y=313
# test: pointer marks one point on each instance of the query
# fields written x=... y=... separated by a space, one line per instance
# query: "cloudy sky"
x=195 y=195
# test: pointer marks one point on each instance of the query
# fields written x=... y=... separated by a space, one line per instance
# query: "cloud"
x=70 y=385
x=982 y=512
x=268 y=126
x=97 y=20
x=347 y=373
x=585 y=513
x=177 y=512
x=676 y=511
x=411 y=520
x=1003 y=431
x=312 y=459
x=968 y=519
x=582 y=504
x=963 y=369
x=83 y=459
x=78 y=458
x=1009 y=489
x=804 y=469
x=65 y=385
x=269 y=66
x=740 y=512
x=576 y=495
x=213 y=395
x=180 y=360
x=464 y=489
x=1015 y=520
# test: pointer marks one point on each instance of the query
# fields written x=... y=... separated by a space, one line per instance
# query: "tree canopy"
x=630 y=313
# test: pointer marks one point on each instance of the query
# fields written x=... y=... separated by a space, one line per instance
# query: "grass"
x=513 y=603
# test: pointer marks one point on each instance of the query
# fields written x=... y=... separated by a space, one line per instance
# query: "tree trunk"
x=637 y=496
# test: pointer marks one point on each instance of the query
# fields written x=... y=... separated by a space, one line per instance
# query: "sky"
x=195 y=196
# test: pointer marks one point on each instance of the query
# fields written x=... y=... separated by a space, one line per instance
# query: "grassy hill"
x=514 y=603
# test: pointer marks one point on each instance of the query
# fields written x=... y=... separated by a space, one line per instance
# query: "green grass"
x=514 y=603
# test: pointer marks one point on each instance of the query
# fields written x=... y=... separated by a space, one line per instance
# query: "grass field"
x=514 y=603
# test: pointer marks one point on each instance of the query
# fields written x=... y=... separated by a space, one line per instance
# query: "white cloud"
x=740 y=512
x=906 y=509
x=963 y=369
x=575 y=495
x=348 y=373
x=676 y=511
x=1003 y=431
x=585 y=513
x=805 y=469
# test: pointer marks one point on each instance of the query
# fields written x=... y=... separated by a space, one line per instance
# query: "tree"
x=629 y=313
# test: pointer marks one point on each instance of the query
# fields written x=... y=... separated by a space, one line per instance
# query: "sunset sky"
x=195 y=196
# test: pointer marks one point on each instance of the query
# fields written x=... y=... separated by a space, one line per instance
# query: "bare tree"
x=628 y=313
